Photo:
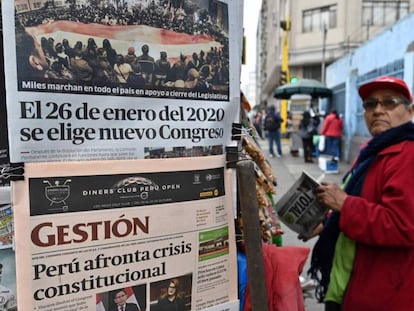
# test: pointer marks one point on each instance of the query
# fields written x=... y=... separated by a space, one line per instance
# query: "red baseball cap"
x=385 y=82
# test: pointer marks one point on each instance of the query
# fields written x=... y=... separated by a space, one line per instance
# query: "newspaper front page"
x=88 y=233
x=298 y=208
x=107 y=80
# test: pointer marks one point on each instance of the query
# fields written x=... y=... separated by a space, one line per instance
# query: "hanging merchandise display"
x=282 y=265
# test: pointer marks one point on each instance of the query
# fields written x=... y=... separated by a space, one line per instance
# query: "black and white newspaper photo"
x=298 y=208
x=94 y=235
x=115 y=80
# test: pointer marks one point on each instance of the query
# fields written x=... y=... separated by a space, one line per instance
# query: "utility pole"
x=325 y=31
x=285 y=25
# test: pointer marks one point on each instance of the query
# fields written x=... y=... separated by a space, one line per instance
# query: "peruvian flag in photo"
x=99 y=305
x=131 y=297
x=122 y=37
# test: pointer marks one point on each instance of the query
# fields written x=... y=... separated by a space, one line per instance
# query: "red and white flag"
x=123 y=37
x=131 y=297
x=99 y=305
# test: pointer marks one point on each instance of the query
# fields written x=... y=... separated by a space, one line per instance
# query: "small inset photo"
x=131 y=298
x=171 y=294
x=213 y=243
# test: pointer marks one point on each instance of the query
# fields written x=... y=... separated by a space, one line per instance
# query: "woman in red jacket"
x=332 y=130
x=376 y=209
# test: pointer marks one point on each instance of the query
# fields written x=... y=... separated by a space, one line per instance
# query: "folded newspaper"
x=298 y=208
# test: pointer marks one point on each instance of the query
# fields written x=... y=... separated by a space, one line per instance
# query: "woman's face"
x=171 y=289
x=380 y=118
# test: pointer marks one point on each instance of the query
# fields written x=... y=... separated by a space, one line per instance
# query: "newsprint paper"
x=298 y=208
x=87 y=232
x=112 y=80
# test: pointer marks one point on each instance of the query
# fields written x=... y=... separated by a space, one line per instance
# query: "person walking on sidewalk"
x=272 y=123
x=307 y=128
x=332 y=130
x=372 y=223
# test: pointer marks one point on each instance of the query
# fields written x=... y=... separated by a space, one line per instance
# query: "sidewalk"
x=287 y=170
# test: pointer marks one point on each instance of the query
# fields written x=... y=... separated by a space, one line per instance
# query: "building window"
x=312 y=72
x=316 y=19
x=382 y=13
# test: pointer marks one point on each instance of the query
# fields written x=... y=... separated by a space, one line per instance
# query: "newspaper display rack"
x=85 y=229
x=125 y=180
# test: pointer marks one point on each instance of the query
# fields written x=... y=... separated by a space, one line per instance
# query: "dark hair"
x=123 y=290
x=335 y=112
x=25 y=48
x=106 y=43
x=176 y=283
x=78 y=45
x=306 y=119
x=271 y=109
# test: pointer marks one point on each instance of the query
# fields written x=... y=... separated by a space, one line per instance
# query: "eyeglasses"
x=387 y=103
x=171 y=286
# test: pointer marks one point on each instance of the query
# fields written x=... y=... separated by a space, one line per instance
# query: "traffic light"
x=285 y=25
x=293 y=79
x=283 y=77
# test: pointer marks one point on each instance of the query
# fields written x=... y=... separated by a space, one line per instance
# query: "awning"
x=311 y=87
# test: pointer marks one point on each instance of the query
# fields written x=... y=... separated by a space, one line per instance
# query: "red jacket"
x=332 y=126
x=381 y=222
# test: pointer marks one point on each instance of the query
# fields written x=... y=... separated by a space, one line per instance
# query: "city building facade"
x=389 y=53
x=342 y=44
x=321 y=31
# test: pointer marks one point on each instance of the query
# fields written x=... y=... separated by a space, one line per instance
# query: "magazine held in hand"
x=298 y=208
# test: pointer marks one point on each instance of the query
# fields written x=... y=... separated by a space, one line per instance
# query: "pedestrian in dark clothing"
x=147 y=64
x=306 y=131
x=110 y=52
x=272 y=123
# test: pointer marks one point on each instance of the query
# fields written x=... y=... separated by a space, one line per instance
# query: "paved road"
x=288 y=169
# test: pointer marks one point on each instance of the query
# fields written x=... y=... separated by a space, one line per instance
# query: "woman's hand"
x=331 y=195
x=314 y=233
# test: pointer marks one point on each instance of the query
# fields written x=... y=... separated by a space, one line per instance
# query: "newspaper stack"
x=298 y=208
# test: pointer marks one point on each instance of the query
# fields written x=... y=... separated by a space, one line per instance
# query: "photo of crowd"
x=163 y=45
